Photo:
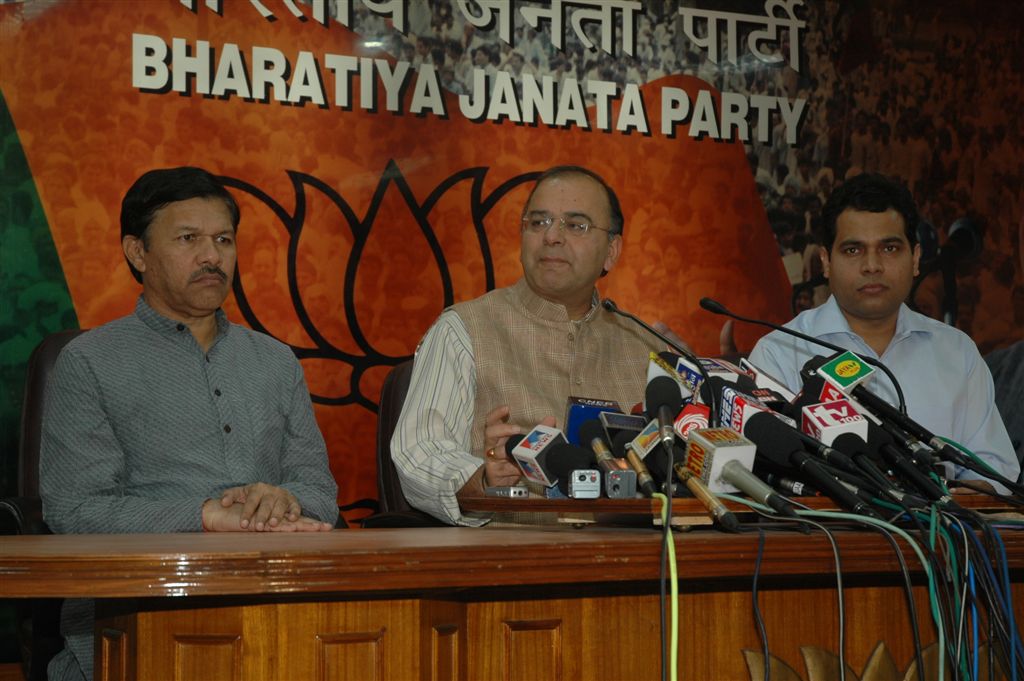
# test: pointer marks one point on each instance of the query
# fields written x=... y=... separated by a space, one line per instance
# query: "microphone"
x=765 y=380
x=573 y=466
x=619 y=480
x=692 y=417
x=720 y=515
x=622 y=449
x=664 y=402
x=610 y=305
x=756 y=489
x=532 y=451
x=911 y=473
x=708 y=450
x=738 y=405
x=794 y=487
x=858 y=451
x=716 y=307
x=826 y=421
x=644 y=480
x=722 y=459
x=783 y=447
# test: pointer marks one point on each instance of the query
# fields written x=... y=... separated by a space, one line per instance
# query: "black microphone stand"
x=610 y=305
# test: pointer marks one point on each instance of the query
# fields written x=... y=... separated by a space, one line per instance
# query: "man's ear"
x=917 y=259
x=134 y=251
x=614 y=251
x=825 y=263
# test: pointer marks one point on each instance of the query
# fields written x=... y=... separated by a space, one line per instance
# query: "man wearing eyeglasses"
x=498 y=365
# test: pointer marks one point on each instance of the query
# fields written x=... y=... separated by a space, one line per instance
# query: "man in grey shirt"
x=173 y=419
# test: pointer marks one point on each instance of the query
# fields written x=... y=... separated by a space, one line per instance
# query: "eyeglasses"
x=573 y=226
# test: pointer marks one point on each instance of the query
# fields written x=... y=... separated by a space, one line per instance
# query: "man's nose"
x=555 y=234
x=209 y=250
x=872 y=262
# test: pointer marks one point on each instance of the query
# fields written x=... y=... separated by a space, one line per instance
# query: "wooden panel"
x=443 y=636
x=522 y=640
x=180 y=644
x=357 y=656
x=533 y=649
x=113 y=655
x=444 y=653
x=209 y=657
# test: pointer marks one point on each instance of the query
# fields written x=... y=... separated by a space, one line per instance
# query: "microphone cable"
x=758 y=619
x=925 y=563
x=669 y=671
x=984 y=468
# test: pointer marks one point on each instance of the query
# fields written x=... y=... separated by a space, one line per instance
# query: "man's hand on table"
x=220 y=518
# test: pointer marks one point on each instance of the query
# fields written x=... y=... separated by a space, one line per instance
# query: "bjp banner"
x=379 y=184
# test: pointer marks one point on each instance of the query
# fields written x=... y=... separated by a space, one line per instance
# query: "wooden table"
x=460 y=603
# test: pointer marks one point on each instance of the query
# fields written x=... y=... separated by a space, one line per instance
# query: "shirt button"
x=571 y=337
x=579 y=381
x=181 y=327
x=217 y=392
x=227 y=429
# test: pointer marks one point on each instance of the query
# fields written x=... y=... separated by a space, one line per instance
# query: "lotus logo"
x=337 y=321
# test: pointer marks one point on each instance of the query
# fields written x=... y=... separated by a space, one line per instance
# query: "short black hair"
x=618 y=222
x=157 y=188
x=873 y=193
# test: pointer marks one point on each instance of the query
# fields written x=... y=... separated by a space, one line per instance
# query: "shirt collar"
x=545 y=309
x=830 y=319
x=171 y=327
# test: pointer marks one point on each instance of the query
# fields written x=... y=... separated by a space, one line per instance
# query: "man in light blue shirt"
x=870 y=257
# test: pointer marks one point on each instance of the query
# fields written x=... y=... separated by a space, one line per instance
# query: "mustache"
x=207 y=270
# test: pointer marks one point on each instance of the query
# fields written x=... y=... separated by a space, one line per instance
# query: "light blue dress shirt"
x=946 y=384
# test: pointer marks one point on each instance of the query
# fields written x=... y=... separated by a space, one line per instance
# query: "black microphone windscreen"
x=714 y=306
x=619 y=442
x=877 y=437
x=774 y=439
x=591 y=430
x=565 y=458
x=662 y=391
x=512 y=441
x=850 y=444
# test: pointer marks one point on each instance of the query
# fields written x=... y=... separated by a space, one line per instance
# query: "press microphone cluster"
x=835 y=400
x=718 y=428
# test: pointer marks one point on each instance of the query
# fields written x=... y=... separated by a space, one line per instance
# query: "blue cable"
x=1015 y=644
x=974 y=620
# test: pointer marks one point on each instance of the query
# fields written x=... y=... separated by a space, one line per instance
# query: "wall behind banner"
x=365 y=215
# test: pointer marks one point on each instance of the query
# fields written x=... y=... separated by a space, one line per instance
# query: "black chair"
x=37 y=620
x=395 y=510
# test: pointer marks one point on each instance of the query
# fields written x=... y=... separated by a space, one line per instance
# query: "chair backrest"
x=40 y=365
x=392 y=396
